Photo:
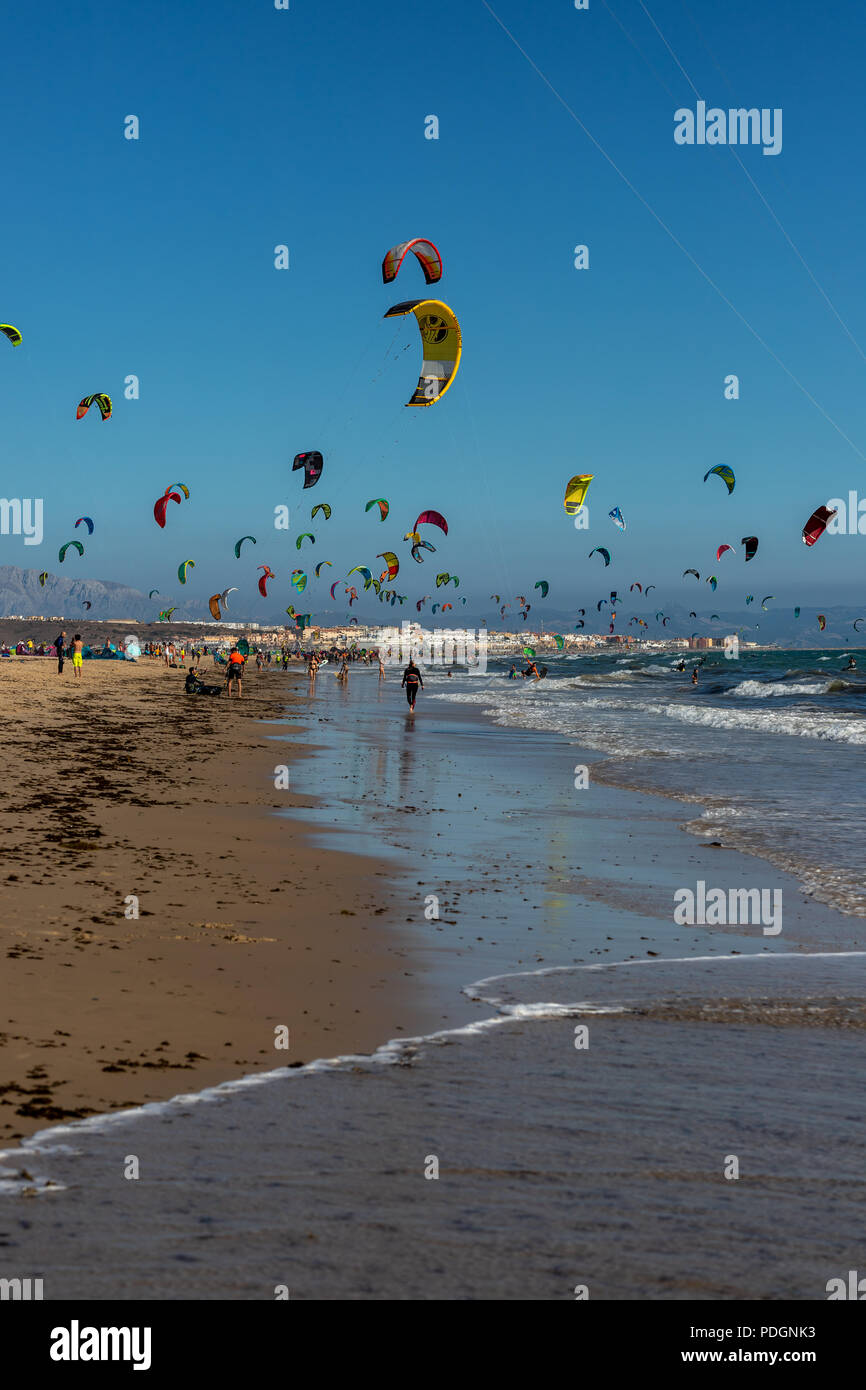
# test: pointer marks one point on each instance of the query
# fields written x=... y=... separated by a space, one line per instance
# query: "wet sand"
x=124 y=787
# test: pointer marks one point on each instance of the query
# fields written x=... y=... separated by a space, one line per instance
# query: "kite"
x=751 y=544
x=429 y=518
x=765 y=599
x=579 y=625
x=750 y=598
x=320 y=566
x=694 y=572
x=560 y=641
x=617 y=518
x=716 y=616
x=299 y=580
x=224 y=596
x=152 y=592
x=87 y=604
x=817 y=524
x=713 y=582
x=182 y=569
x=721 y=550
x=725 y=473
x=605 y=554
x=63 y=549
x=103 y=401
x=391 y=561
x=239 y=543
x=647 y=589
x=444 y=606
x=42 y=578
x=335 y=585
x=161 y=503
x=856 y=621
x=529 y=652
x=822 y=621
x=575 y=491
x=543 y=585
x=693 y=615
x=634 y=586
x=263 y=580
x=183 y=487
x=495 y=598
x=312 y=464
x=213 y=604
x=305 y=535
x=321 y=507
x=440 y=337
x=429 y=260
x=797 y=613
x=362 y=569
x=581 y=612
x=10 y=332
x=380 y=502
x=419 y=546
x=89 y=524
x=600 y=604
x=443 y=578
x=165 y=615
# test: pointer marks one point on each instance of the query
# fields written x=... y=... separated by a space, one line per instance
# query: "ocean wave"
x=762 y=690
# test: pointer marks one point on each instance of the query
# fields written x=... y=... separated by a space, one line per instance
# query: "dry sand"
x=123 y=785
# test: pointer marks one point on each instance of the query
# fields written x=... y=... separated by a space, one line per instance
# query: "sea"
x=769 y=749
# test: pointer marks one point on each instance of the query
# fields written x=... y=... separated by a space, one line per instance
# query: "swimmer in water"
x=695 y=676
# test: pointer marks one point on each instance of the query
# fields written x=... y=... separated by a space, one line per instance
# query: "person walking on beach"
x=60 y=648
x=412 y=681
x=77 y=655
x=343 y=673
x=235 y=673
x=381 y=667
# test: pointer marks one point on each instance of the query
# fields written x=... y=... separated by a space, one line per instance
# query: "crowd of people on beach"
x=188 y=656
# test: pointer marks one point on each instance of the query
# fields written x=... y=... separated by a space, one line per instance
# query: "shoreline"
x=545 y=901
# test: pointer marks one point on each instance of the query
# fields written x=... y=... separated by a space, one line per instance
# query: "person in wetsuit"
x=412 y=681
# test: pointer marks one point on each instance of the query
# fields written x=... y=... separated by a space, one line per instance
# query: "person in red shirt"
x=235 y=673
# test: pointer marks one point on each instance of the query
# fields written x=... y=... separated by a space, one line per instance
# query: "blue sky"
x=306 y=127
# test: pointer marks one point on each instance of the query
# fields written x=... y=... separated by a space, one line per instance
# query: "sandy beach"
x=119 y=787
